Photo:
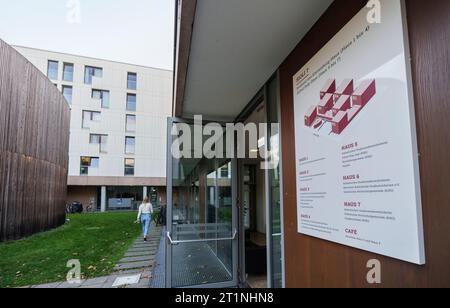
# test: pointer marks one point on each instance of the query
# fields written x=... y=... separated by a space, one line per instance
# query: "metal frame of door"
x=270 y=232
x=258 y=100
x=170 y=242
x=262 y=97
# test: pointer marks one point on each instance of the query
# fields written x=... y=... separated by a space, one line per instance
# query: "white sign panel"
x=356 y=149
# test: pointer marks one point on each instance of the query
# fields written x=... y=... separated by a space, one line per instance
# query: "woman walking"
x=145 y=216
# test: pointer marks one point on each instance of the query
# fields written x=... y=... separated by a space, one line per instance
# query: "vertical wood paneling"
x=34 y=146
x=312 y=262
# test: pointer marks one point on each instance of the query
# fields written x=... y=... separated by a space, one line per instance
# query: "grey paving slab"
x=143 y=284
x=95 y=286
x=145 y=245
x=149 y=240
x=94 y=281
x=131 y=272
x=47 y=286
x=108 y=284
x=66 y=285
x=137 y=259
x=112 y=279
x=147 y=274
x=133 y=265
x=138 y=253
x=139 y=249
x=153 y=247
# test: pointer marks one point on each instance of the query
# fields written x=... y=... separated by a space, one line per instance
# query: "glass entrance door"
x=274 y=189
x=201 y=214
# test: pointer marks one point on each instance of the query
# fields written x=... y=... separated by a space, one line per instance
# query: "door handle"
x=172 y=242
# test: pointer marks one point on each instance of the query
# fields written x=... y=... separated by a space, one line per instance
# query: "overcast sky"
x=132 y=31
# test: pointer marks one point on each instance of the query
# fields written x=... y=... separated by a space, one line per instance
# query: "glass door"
x=274 y=188
x=201 y=213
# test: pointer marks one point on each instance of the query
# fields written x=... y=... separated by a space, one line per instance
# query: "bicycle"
x=91 y=208
x=74 y=208
x=69 y=208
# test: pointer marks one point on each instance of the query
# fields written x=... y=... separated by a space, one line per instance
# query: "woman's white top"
x=145 y=208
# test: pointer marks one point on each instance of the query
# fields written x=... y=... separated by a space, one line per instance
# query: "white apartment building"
x=118 y=127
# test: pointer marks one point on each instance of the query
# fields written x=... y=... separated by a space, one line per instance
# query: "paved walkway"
x=137 y=264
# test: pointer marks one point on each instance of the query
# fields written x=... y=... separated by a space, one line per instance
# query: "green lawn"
x=97 y=240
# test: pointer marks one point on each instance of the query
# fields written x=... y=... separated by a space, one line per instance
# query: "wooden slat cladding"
x=312 y=262
x=34 y=147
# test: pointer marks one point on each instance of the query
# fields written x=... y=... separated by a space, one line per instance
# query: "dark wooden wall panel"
x=312 y=262
x=34 y=147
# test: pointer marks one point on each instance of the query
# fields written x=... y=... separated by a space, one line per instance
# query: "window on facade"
x=129 y=166
x=68 y=72
x=67 y=93
x=87 y=163
x=90 y=116
x=130 y=145
x=90 y=72
x=132 y=81
x=99 y=140
x=131 y=102
x=131 y=123
x=103 y=96
x=52 y=70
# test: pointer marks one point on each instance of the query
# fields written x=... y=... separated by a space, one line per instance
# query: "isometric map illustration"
x=340 y=105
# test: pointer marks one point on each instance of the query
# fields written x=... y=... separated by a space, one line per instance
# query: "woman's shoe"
x=145 y=239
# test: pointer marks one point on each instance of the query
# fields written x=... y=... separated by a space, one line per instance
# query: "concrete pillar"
x=103 y=200
x=145 y=192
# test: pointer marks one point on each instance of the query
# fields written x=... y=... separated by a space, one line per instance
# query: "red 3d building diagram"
x=340 y=106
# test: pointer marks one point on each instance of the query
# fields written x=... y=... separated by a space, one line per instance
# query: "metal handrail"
x=172 y=242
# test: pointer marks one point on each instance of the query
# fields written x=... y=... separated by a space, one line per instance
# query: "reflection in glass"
x=68 y=72
x=202 y=211
x=132 y=81
x=130 y=145
x=129 y=166
x=131 y=102
x=88 y=162
x=100 y=140
x=67 y=93
x=90 y=72
x=130 y=123
x=52 y=70
x=101 y=95
x=275 y=187
x=89 y=117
